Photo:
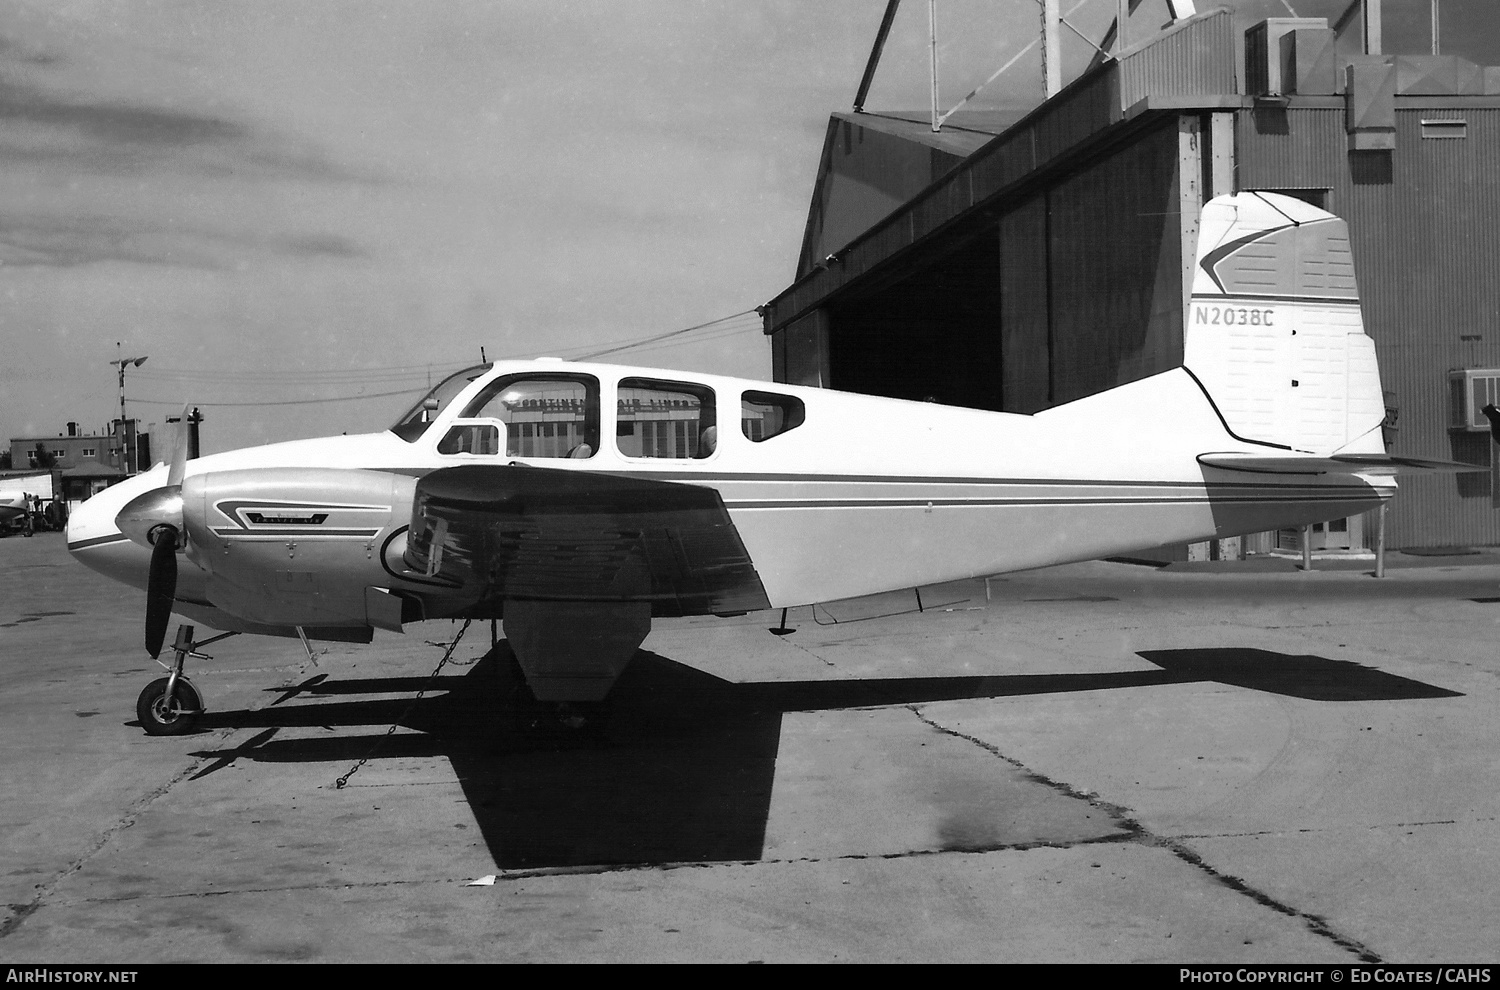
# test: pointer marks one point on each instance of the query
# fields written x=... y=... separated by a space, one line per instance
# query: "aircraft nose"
x=96 y=542
x=89 y=524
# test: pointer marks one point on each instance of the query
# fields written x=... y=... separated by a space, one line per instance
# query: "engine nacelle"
x=309 y=547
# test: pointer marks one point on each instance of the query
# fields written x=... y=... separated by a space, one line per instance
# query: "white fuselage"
x=866 y=494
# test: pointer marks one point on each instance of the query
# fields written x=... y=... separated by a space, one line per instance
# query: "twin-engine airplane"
x=577 y=502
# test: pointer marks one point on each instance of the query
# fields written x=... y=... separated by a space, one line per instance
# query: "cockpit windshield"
x=413 y=423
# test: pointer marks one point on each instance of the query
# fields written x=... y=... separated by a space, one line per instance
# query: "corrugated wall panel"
x=1443 y=247
x=1114 y=247
x=1004 y=163
x=1273 y=155
x=942 y=204
x=1076 y=113
x=865 y=176
x=1026 y=362
x=925 y=214
x=1423 y=222
x=1196 y=59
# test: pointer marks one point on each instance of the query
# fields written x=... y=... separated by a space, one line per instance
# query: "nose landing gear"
x=168 y=714
x=170 y=706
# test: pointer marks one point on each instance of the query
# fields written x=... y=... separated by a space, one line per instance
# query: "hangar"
x=1019 y=265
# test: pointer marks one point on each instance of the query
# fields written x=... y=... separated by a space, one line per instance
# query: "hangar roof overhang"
x=1189 y=67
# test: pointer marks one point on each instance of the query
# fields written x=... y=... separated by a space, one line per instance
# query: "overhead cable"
x=717 y=329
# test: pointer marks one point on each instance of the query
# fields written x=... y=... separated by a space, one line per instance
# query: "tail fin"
x=1273 y=331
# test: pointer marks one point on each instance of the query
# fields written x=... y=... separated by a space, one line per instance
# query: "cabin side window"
x=544 y=416
x=764 y=415
x=665 y=419
x=470 y=438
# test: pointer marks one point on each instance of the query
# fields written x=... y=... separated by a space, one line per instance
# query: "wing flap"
x=547 y=534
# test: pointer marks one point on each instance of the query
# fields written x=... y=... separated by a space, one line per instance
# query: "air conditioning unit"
x=1263 y=68
x=1471 y=389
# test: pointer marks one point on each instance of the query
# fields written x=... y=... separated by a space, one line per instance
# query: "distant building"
x=83 y=464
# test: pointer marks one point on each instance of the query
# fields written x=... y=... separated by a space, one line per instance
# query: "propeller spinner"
x=154 y=519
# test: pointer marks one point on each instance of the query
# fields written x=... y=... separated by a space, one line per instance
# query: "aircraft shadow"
x=1310 y=677
x=680 y=768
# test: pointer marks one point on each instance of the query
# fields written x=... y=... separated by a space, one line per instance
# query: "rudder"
x=1273 y=330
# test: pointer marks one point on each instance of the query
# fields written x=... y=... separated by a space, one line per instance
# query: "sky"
x=295 y=208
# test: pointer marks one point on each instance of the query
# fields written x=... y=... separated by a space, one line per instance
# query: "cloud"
x=117 y=137
x=94 y=172
x=114 y=122
x=322 y=245
x=65 y=241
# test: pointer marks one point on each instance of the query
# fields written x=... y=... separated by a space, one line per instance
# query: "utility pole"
x=1051 y=47
x=932 y=33
x=194 y=442
x=120 y=362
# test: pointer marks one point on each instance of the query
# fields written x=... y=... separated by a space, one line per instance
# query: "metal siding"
x=1196 y=60
x=865 y=176
x=1025 y=336
x=1275 y=155
x=1427 y=249
x=1443 y=249
x=929 y=213
x=1114 y=250
x=1006 y=162
x=1071 y=117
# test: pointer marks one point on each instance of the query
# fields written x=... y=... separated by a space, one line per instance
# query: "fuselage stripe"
x=1358 y=495
x=98 y=541
x=718 y=479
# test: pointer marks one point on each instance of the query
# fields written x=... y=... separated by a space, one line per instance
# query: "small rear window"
x=764 y=415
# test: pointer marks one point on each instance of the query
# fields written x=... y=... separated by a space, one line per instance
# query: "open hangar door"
x=1052 y=295
x=930 y=334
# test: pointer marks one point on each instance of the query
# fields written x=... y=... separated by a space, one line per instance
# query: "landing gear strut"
x=170 y=706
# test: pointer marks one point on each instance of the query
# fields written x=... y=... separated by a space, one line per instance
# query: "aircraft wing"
x=1292 y=463
x=548 y=534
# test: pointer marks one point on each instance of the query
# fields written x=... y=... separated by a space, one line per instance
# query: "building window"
x=88 y=452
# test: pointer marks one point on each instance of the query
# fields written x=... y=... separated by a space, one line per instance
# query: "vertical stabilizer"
x=1274 y=330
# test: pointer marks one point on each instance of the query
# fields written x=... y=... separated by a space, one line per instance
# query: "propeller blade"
x=161 y=588
x=180 y=450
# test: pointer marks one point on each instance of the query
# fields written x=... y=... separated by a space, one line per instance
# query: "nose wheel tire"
x=158 y=719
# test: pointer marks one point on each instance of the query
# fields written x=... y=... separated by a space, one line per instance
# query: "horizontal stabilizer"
x=1334 y=464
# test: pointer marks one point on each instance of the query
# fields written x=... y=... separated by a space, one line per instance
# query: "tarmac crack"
x=809 y=652
x=604 y=869
x=1136 y=832
x=1343 y=828
x=20 y=912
